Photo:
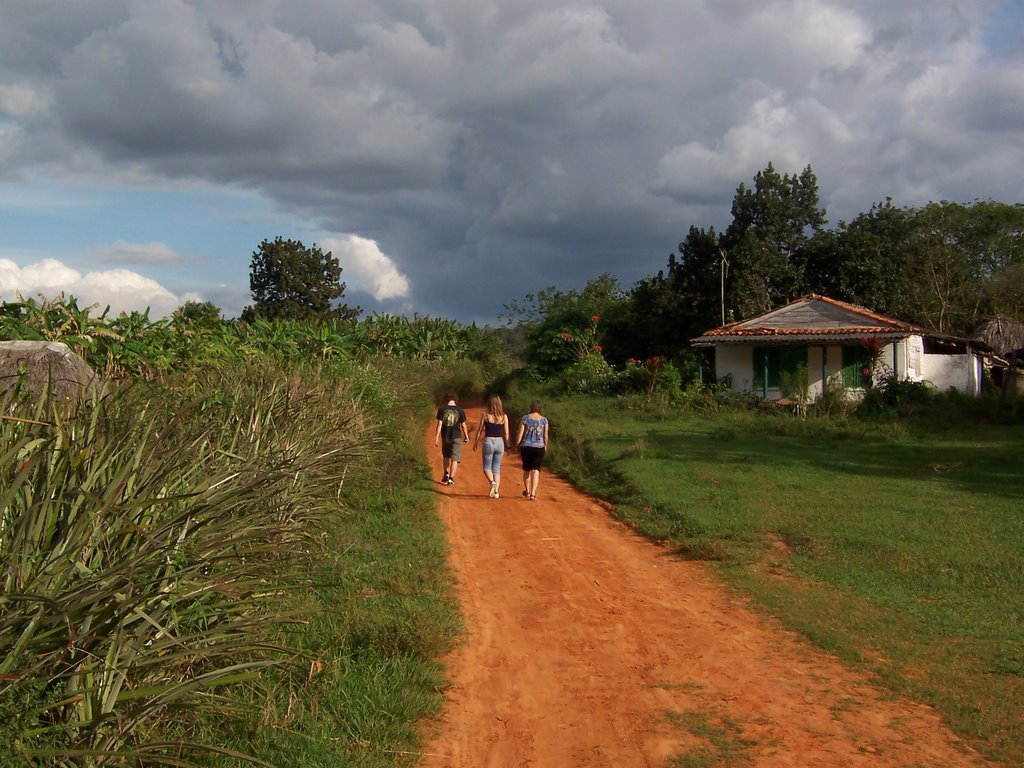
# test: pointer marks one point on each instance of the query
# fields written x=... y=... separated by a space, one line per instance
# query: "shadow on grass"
x=985 y=463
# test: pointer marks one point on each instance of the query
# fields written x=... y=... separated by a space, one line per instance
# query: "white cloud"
x=365 y=267
x=120 y=289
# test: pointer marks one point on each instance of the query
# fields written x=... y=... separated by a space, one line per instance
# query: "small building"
x=841 y=343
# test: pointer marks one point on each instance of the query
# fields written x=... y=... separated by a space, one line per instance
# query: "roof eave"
x=796 y=338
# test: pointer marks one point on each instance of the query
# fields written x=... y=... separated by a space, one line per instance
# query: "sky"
x=456 y=155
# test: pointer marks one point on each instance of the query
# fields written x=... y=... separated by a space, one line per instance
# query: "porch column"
x=824 y=367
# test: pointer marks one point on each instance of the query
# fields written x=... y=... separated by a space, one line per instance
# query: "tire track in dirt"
x=588 y=646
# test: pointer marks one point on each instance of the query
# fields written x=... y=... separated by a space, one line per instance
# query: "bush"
x=590 y=375
x=897 y=397
x=833 y=401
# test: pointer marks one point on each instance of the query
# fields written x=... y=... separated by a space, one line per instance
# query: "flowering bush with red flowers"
x=582 y=343
x=875 y=347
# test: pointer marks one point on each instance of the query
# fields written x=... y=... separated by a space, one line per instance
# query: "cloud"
x=512 y=143
x=120 y=289
x=122 y=252
x=366 y=268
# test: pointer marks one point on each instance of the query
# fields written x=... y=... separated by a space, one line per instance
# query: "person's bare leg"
x=534 y=481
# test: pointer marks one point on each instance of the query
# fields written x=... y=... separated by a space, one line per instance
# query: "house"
x=838 y=342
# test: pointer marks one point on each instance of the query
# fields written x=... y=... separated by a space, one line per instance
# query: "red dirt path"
x=584 y=637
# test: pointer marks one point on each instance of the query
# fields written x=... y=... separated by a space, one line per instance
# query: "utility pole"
x=723 y=269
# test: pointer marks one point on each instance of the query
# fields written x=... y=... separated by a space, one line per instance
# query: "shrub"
x=833 y=401
x=591 y=375
x=897 y=397
x=669 y=380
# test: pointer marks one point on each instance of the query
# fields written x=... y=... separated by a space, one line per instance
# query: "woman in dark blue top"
x=494 y=428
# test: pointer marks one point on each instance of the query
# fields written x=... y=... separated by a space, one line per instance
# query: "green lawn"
x=897 y=547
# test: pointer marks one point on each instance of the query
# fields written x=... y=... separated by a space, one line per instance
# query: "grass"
x=720 y=741
x=375 y=624
x=899 y=548
x=379 y=614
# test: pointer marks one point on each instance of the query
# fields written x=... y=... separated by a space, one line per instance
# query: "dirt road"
x=588 y=646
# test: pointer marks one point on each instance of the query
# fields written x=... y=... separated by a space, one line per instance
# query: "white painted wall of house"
x=905 y=358
x=959 y=372
x=736 y=363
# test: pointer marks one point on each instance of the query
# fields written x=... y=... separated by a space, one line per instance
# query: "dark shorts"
x=532 y=457
x=452 y=450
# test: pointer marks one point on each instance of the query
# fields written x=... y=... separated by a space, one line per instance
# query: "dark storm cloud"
x=494 y=148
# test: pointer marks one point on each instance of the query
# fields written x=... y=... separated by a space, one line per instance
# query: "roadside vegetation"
x=228 y=553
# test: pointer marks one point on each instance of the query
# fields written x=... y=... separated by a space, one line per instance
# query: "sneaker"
x=445 y=479
x=493 y=493
x=496 y=495
x=451 y=481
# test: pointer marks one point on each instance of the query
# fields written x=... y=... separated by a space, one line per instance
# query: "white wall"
x=960 y=372
x=905 y=358
x=737 y=362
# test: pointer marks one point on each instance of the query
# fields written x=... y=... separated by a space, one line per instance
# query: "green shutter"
x=766 y=359
x=790 y=358
x=776 y=360
x=855 y=360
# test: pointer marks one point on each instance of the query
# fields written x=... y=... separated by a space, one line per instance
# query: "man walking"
x=451 y=433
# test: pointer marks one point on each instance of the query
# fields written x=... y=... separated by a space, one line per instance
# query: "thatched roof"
x=1002 y=333
x=36 y=364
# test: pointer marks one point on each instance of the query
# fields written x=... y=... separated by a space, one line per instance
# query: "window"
x=855 y=362
x=773 y=361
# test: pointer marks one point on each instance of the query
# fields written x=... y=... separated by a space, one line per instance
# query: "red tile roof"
x=816 y=322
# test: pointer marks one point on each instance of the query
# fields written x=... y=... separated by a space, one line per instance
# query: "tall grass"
x=378 y=613
x=896 y=544
x=143 y=540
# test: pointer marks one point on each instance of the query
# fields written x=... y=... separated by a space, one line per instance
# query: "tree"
x=767 y=240
x=944 y=278
x=291 y=281
x=674 y=306
x=547 y=315
x=864 y=261
x=202 y=313
x=996 y=235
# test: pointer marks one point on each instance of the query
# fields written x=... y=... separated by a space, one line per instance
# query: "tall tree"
x=944 y=277
x=674 y=306
x=996 y=235
x=864 y=261
x=767 y=240
x=290 y=281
